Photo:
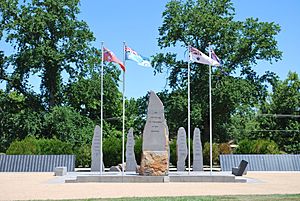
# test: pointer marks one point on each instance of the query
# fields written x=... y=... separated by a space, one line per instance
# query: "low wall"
x=262 y=162
x=35 y=163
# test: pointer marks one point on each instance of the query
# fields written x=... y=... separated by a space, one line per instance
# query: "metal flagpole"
x=101 y=122
x=123 y=131
x=210 y=115
x=189 y=119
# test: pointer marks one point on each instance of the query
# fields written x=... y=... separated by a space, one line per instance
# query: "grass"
x=290 y=197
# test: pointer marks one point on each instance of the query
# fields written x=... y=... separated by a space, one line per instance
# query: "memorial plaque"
x=97 y=158
x=130 y=157
x=155 y=158
x=181 y=147
x=155 y=132
x=197 y=151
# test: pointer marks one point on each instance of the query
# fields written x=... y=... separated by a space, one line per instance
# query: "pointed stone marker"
x=197 y=151
x=130 y=157
x=97 y=158
x=155 y=157
x=181 y=149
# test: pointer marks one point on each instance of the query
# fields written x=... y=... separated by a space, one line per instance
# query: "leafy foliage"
x=224 y=148
x=239 y=44
x=112 y=151
x=206 y=153
x=66 y=124
x=32 y=146
x=257 y=147
x=275 y=118
x=83 y=156
x=138 y=149
x=17 y=120
x=48 y=39
x=173 y=152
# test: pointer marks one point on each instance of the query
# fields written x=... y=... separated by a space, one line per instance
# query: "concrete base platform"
x=172 y=177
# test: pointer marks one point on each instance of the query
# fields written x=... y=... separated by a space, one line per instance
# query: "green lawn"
x=207 y=198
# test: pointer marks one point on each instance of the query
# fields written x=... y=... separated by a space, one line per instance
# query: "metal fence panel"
x=35 y=163
x=260 y=162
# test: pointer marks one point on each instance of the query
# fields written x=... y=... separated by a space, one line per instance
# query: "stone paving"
x=31 y=186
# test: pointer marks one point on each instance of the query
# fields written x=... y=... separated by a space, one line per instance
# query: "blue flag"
x=130 y=54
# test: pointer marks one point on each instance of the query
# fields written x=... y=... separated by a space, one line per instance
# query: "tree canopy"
x=48 y=39
x=240 y=44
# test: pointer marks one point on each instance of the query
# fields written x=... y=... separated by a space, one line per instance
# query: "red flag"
x=109 y=56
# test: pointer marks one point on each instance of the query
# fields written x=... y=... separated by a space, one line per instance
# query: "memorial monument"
x=130 y=157
x=97 y=158
x=155 y=157
x=197 y=151
x=181 y=149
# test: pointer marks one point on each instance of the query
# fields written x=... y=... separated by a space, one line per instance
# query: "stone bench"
x=60 y=171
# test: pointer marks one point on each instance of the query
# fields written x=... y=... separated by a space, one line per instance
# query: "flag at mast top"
x=109 y=56
x=197 y=56
x=130 y=54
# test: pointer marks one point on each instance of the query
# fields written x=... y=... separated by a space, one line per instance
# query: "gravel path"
x=30 y=186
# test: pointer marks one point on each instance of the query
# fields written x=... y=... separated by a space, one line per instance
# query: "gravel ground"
x=43 y=186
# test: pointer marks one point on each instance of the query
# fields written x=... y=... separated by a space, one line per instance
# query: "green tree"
x=85 y=96
x=279 y=116
x=17 y=120
x=243 y=122
x=240 y=44
x=66 y=124
x=48 y=39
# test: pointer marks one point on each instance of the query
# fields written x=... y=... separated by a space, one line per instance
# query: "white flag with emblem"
x=198 y=57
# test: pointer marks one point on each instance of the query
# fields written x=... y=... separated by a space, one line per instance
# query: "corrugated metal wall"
x=264 y=162
x=35 y=163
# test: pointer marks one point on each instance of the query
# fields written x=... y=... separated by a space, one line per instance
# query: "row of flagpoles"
x=195 y=55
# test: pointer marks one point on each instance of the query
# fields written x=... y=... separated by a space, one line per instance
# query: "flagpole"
x=210 y=115
x=123 y=130
x=101 y=121
x=189 y=119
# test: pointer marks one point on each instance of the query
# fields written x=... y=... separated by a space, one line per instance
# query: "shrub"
x=224 y=148
x=83 y=155
x=30 y=146
x=68 y=125
x=265 y=147
x=245 y=147
x=54 y=147
x=173 y=154
x=257 y=147
x=112 y=151
x=138 y=149
x=206 y=153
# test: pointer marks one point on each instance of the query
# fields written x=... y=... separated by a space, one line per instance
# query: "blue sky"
x=136 y=22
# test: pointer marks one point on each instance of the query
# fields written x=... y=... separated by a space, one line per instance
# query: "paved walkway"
x=30 y=186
